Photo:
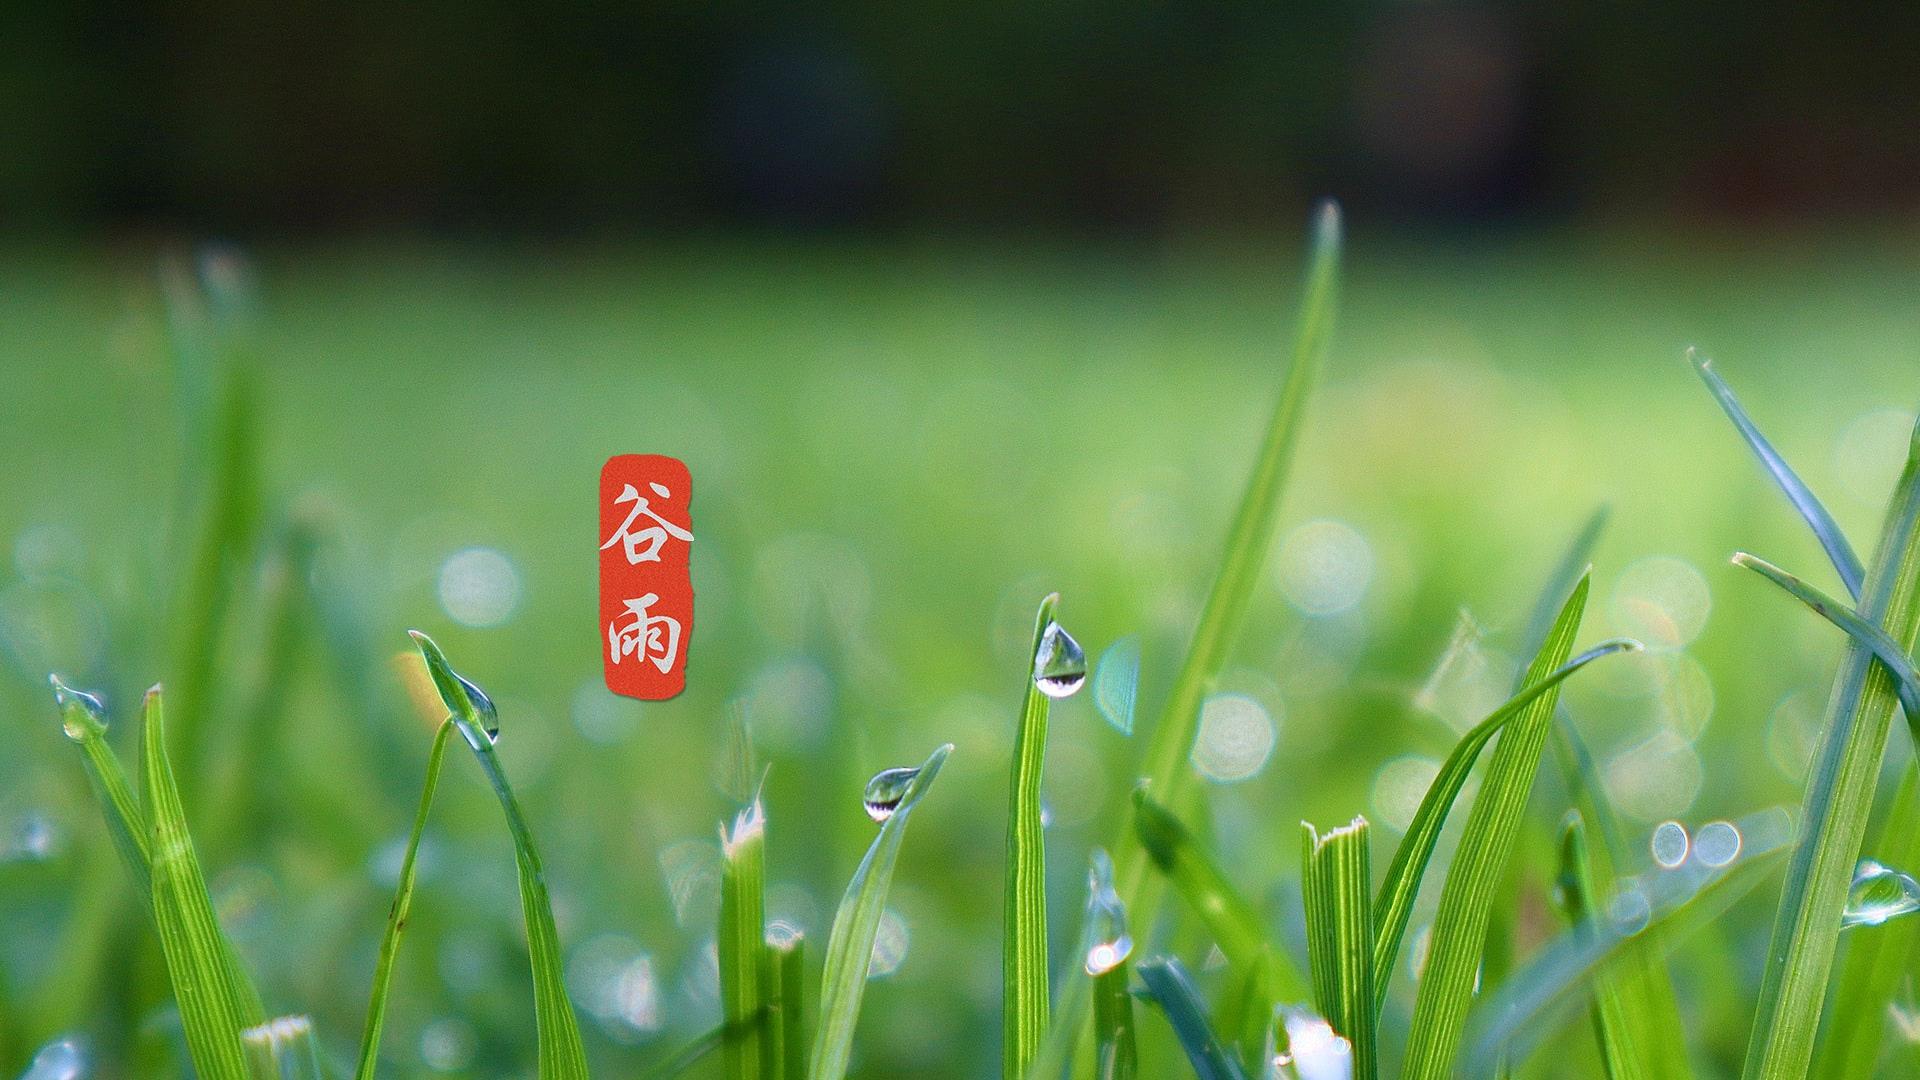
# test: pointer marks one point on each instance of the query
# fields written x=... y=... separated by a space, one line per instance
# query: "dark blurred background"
x=303 y=116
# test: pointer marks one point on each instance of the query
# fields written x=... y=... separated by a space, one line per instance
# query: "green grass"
x=1025 y=995
x=950 y=433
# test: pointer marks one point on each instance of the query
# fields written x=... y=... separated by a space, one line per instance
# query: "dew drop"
x=482 y=704
x=78 y=710
x=1670 y=844
x=885 y=791
x=62 y=1059
x=1059 y=664
x=1879 y=893
x=1111 y=943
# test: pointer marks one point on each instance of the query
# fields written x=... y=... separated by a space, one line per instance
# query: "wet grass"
x=841 y=670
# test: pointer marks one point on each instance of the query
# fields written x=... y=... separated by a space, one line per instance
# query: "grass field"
x=898 y=448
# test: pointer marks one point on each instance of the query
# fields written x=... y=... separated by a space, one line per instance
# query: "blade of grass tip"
x=1106 y=946
x=1838 y=802
x=786 y=1056
x=1023 y=958
x=1248 y=540
x=397 y=913
x=1394 y=904
x=1493 y=826
x=84 y=720
x=1168 y=986
x=850 y=945
x=1642 y=983
x=741 y=938
x=557 y=1029
x=1612 y=1024
x=283 y=1049
x=1870 y=976
x=1337 y=874
x=1665 y=907
x=1825 y=529
x=200 y=962
x=1228 y=917
x=1876 y=640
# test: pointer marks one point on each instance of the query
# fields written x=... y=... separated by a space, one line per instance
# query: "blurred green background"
x=945 y=309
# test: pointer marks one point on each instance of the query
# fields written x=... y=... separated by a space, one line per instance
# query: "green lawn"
x=897 y=450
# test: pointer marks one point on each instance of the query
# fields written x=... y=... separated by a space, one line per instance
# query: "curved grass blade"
x=200 y=960
x=1394 y=905
x=1887 y=650
x=1838 y=802
x=1665 y=906
x=850 y=945
x=1493 y=826
x=1232 y=922
x=397 y=913
x=1169 y=987
x=1845 y=562
x=557 y=1029
x=84 y=721
x=742 y=941
x=1337 y=873
x=1023 y=958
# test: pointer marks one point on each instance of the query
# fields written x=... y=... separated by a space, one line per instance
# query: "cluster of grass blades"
x=1476 y=1010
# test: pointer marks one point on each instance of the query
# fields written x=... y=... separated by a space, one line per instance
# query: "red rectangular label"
x=646 y=590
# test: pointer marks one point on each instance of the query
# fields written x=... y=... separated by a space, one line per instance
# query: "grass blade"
x=200 y=960
x=1023 y=958
x=1838 y=801
x=1394 y=906
x=850 y=945
x=1169 y=987
x=1870 y=975
x=1254 y=523
x=1640 y=979
x=1337 y=875
x=1613 y=1024
x=1845 y=562
x=397 y=913
x=742 y=937
x=786 y=1053
x=557 y=1029
x=84 y=721
x=1665 y=906
x=1235 y=927
x=1106 y=947
x=1884 y=648
x=1493 y=825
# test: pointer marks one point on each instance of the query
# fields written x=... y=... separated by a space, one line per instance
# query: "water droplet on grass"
x=1670 y=844
x=1059 y=663
x=885 y=791
x=1106 y=918
x=61 y=1059
x=68 y=699
x=482 y=704
x=1879 y=893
